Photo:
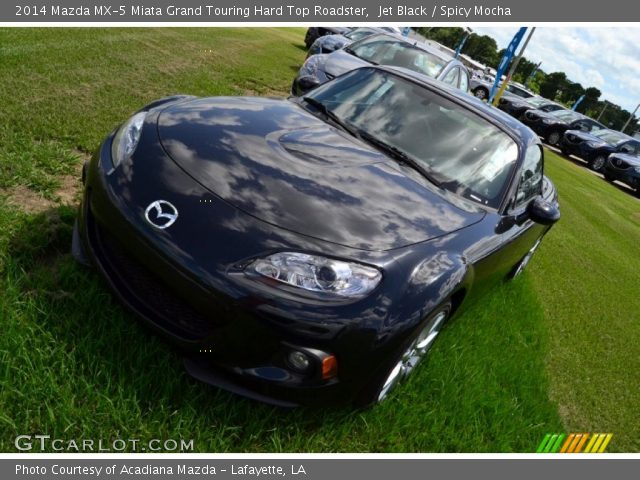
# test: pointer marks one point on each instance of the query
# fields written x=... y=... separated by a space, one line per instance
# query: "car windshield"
x=610 y=136
x=386 y=50
x=461 y=151
x=359 y=33
x=566 y=115
x=537 y=101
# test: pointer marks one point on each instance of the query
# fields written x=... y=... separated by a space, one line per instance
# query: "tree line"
x=554 y=85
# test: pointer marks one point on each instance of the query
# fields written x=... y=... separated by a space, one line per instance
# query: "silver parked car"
x=382 y=49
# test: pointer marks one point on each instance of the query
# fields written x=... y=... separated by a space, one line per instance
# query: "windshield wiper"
x=398 y=154
x=330 y=114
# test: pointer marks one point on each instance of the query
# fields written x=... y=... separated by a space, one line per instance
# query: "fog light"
x=299 y=361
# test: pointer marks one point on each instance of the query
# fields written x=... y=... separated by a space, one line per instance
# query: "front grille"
x=164 y=307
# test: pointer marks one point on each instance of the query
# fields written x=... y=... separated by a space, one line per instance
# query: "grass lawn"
x=556 y=350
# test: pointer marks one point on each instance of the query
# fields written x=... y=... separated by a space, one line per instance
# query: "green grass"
x=556 y=350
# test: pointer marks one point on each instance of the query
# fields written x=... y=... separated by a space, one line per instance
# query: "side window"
x=583 y=125
x=464 y=81
x=452 y=77
x=530 y=183
x=592 y=126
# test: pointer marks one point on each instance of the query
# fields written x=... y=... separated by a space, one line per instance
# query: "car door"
x=512 y=240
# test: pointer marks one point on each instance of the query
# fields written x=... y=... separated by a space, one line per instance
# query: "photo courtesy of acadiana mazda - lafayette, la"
x=594 y=147
x=381 y=49
x=552 y=125
x=309 y=250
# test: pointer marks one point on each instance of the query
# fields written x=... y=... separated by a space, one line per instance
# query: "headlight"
x=318 y=274
x=637 y=169
x=126 y=139
x=547 y=121
x=596 y=144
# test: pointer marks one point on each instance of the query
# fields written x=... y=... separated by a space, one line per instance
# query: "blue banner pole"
x=575 y=105
x=506 y=59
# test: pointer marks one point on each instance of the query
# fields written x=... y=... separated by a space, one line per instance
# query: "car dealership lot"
x=553 y=351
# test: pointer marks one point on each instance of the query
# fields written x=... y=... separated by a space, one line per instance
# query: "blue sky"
x=604 y=57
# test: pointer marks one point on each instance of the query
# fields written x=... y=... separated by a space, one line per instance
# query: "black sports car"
x=624 y=168
x=516 y=106
x=309 y=250
x=552 y=125
x=595 y=147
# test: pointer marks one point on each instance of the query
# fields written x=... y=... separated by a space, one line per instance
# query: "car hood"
x=630 y=159
x=541 y=114
x=585 y=136
x=339 y=62
x=277 y=162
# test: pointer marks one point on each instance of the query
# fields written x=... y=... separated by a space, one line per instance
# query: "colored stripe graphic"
x=574 y=443
x=582 y=442
x=606 y=442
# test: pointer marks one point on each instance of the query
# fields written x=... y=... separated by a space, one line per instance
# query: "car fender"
x=440 y=277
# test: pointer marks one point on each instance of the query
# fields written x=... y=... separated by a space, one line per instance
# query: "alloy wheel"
x=413 y=355
x=598 y=163
x=554 y=138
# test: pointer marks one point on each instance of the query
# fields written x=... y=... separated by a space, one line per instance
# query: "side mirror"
x=307 y=83
x=543 y=212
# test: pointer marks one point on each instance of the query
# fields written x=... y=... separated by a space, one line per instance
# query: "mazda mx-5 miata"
x=309 y=250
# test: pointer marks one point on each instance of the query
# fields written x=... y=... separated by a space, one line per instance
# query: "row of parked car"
x=334 y=51
x=612 y=153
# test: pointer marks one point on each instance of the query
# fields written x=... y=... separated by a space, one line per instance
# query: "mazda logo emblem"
x=165 y=214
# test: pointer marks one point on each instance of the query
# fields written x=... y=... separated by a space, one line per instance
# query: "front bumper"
x=232 y=336
x=627 y=175
x=580 y=148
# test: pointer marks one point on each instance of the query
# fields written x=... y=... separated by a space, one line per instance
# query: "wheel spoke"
x=413 y=355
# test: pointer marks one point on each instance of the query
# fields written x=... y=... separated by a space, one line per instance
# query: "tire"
x=597 y=163
x=553 y=138
x=481 y=93
x=413 y=351
x=520 y=267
